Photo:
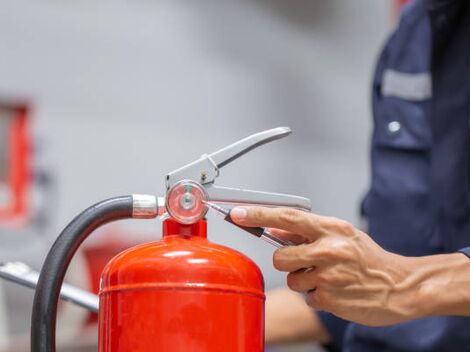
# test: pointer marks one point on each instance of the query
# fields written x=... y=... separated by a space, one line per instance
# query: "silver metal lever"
x=22 y=274
x=235 y=150
x=206 y=169
x=240 y=196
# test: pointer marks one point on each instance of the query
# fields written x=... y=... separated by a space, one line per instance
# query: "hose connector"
x=146 y=206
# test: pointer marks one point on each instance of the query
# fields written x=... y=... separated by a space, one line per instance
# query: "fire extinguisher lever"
x=229 y=195
x=206 y=169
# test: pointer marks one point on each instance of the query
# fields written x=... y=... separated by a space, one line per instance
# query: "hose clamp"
x=145 y=206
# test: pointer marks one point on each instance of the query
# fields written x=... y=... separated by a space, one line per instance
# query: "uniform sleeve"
x=465 y=251
x=336 y=327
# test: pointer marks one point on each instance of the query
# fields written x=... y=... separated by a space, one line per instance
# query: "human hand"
x=340 y=268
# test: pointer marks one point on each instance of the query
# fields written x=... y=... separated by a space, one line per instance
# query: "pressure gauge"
x=185 y=202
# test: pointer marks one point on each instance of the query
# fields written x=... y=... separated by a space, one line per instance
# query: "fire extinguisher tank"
x=182 y=293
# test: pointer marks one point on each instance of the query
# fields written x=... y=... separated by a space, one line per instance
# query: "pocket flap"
x=409 y=86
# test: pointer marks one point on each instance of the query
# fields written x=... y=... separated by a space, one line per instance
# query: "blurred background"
x=105 y=98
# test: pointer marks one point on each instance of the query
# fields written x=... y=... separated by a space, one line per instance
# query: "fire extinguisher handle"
x=235 y=150
x=230 y=195
x=206 y=169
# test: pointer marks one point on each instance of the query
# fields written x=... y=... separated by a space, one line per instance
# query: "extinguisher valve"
x=190 y=187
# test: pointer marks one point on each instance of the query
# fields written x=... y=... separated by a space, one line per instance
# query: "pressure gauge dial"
x=185 y=202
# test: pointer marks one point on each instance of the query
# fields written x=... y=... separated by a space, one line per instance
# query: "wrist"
x=436 y=284
x=404 y=299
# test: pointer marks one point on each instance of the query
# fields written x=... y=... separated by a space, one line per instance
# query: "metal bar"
x=22 y=274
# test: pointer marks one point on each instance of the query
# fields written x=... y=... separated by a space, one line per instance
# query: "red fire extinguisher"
x=182 y=293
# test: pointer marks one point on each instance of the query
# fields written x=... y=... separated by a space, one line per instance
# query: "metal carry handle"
x=235 y=150
x=206 y=169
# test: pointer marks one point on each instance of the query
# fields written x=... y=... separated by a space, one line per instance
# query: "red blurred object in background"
x=97 y=255
x=398 y=5
x=15 y=175
x=182 y=293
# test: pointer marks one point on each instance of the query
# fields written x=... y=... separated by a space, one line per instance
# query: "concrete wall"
x=124 y=92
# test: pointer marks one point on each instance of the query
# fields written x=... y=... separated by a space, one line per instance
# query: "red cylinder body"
x=183 y=293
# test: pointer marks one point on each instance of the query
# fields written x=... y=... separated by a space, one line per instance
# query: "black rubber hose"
x=43 y=319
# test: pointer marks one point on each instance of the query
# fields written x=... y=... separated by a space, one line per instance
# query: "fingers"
x=324 y=252
x=322 y=262
x=295 y=221
x=303 y=280
x=309 y=283
x=316 y=299
x=293 y=258
x=288 y=236
x=314 y=286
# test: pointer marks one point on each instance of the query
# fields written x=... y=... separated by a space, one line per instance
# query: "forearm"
x=441 y=284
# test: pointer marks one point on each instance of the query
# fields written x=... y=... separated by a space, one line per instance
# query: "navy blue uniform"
x=419 y=200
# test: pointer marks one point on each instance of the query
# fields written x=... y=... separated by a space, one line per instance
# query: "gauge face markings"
x=186 y=202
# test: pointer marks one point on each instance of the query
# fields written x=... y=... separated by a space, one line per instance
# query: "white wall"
x=124 y=92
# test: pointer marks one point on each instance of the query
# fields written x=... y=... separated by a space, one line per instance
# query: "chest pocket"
x=398 y=205
x=401 y=110
x=402 y=136
x=399 y=198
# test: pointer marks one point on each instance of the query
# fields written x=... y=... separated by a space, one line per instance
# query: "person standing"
x=419 y=199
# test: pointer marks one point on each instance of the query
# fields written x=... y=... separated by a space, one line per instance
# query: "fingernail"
x=238 y=213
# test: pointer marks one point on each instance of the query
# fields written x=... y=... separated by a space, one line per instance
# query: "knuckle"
x=345 y=227
x=257 y=213
x=329 y=278
x=313 y=252
x=323 y=278
x=345 y=251
x=337 y=250
x=289 y=216
x=326 y=252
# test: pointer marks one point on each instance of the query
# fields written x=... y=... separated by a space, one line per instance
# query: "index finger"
x=308 y=225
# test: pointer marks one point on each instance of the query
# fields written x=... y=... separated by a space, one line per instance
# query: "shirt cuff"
x=336 y=327
x=465 y=251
